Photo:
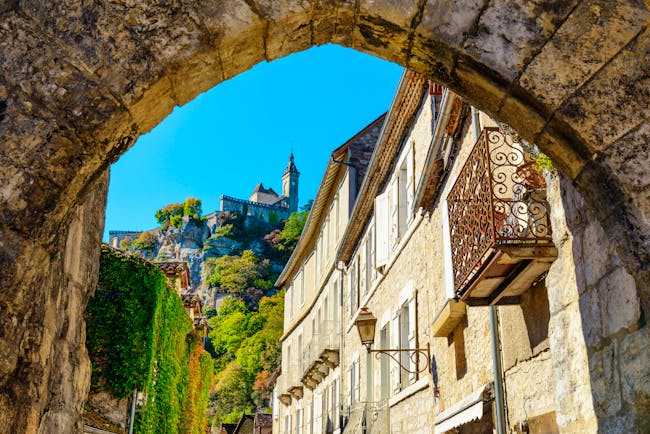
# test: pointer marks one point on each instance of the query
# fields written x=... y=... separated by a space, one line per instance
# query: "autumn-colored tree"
x=126 y=242
x=145 y=241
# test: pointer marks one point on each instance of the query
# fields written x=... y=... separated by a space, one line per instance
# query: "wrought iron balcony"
x=499 y=225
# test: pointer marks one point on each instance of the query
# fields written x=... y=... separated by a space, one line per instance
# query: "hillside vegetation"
x=234 y=258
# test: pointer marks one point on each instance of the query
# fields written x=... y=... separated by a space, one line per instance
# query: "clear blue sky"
x=240 y=133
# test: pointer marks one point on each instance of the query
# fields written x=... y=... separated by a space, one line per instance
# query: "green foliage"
x=224 y=231
x=120 y=322
x=173 y=213
x=139 y=336
x=544 y=162
x=237 y=275
x=126 y=243
x=292 y=229
x=280 y=243
x=145 y=241
x=247 y=344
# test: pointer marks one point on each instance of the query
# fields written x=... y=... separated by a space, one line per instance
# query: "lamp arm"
x=414 y=356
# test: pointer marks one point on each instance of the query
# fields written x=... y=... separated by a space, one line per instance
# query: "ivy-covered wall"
x=139 y=336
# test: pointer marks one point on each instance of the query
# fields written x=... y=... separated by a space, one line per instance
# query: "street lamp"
x=366 y=323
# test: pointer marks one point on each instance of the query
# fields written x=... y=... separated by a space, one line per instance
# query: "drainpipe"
x=494 y=326
x=132 y=415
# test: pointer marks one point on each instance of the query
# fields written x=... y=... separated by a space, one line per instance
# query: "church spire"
x=290 y=184
x=291 y=166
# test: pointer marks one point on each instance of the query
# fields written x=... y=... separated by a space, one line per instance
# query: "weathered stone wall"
x=599 y=338
x=79 y=82
x=44 y=366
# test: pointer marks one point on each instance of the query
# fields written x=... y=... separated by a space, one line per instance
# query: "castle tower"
x=290 y=184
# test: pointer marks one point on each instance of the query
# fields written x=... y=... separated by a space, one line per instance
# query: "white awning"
x=466 y=410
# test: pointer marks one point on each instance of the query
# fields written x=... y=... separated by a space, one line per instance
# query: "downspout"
x=494 y=326
x=132 y=415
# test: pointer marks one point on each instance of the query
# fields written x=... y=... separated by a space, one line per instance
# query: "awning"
x=466 y=410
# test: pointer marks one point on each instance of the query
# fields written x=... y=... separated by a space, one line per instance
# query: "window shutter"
x=394 y=343
x=381 y=229
x=362 y=272
x=357 y=379
x=394 y=205
x=350 y=384
x=412 y=337
x=410 y=180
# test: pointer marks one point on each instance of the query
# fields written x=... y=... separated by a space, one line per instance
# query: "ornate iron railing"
x=499 y=198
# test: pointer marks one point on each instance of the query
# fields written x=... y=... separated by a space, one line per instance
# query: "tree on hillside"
x=282 y=242
x=247 y=344
x=173 y=213
x=145 y=241
x=241 y=276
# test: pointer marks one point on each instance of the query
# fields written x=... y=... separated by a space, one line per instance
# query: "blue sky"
x=240 y=133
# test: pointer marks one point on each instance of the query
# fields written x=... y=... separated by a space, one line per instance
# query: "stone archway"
x=81 y=81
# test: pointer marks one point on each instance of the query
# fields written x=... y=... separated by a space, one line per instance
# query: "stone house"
x=457 y=246
x=309 y=385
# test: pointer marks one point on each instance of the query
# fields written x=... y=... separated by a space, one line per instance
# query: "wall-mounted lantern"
x=366 y=323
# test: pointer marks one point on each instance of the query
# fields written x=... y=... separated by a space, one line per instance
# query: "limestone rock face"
x=44 y=366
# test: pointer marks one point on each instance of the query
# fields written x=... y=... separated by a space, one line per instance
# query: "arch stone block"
x=80 y=81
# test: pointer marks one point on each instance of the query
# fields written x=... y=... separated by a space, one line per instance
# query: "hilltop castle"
x=265 y=203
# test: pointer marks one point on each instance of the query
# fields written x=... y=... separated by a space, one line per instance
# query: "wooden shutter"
x=412 y=341
x=381 y=229
x=394 y=343
x=393 y=203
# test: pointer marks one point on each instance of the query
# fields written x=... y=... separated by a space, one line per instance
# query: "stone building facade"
x=309 y=385
x=528 y=337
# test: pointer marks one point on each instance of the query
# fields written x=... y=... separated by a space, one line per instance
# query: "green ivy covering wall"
x=139 y=336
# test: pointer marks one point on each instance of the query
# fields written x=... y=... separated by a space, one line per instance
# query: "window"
x=370 y=257
x=287 y=423
x=301 y=285
x=335 y=300
x=300 y=348
x=354 y=375
x=299 y=421
x=403 y=319
x=363 y=281
x=290 y=301
x=337 y=222
x=384 y=339
x=381 y=230
x=354 y=288
x=393 y=209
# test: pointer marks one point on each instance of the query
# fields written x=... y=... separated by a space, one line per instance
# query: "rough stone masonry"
x=81 y=80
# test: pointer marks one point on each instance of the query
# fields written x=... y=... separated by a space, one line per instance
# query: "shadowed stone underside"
x=80 y=81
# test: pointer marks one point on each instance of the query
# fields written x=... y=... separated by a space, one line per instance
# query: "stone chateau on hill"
x=263 y=203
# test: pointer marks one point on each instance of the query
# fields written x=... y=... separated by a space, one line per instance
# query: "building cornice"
x=399 y=120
